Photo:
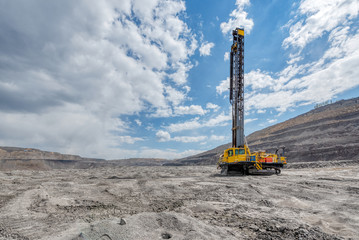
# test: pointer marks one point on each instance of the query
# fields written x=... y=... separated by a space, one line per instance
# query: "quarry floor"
x=189 y=202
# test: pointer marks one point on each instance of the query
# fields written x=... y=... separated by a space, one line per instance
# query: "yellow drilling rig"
x=239 y=158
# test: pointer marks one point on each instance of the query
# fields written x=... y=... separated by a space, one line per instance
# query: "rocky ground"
x=186 y=202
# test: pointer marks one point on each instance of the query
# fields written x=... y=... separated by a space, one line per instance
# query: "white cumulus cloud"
x=163 y=136
x=226 y=56
x=223 y=86
x=320 y=16
x=129 y=139
x=218 y=138
x=219 y=120
x=238 y=18
x=212 y=106
x=312 y=81
x=189 y=139
x=72 y=73
x=205 y=49
x=138 y=122
x=189 y=110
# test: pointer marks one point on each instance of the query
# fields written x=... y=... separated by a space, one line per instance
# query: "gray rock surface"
x=151 y=225
x=186 y=202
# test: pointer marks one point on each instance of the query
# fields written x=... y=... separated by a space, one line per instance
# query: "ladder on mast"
x=236 y=87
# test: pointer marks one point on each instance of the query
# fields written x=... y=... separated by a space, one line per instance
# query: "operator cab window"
x=230 y=153
x=240 y=151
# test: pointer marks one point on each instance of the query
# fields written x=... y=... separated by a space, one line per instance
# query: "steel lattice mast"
x=239 y=158
x=236 y=92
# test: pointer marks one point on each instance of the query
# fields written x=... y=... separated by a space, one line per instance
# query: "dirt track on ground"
x=179 y=203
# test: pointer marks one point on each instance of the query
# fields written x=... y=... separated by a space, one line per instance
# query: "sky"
x=149 y=78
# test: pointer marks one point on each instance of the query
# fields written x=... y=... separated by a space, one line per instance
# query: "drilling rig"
x=239 y=158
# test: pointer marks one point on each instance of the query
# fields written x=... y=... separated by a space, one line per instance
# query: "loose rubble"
x=188 y=202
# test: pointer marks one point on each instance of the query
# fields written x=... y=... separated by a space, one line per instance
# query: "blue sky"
x=149 y=78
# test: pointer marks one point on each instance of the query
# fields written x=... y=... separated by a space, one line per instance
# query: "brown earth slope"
x=329 y=132
x=15 y=158
x=35 y=159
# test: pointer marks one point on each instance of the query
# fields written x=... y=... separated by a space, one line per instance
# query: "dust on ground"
x=188 y=202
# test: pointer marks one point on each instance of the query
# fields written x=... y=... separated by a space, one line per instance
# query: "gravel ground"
x=190 y=202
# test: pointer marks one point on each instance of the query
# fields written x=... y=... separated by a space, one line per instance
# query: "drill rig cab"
x=239 y=158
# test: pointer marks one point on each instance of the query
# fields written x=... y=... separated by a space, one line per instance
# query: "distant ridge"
x=327 y=133
x=330 y=132
x=35 y=159
x=12 y=153
x=12 y=158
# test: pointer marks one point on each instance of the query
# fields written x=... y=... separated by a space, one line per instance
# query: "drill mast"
x=236 y=88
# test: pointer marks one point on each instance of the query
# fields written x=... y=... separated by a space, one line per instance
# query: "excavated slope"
x=34 y=159
x=15 y=158
x=327 y=133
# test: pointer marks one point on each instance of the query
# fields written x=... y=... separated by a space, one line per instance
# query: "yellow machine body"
x=233 y=155
x=242 y=160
